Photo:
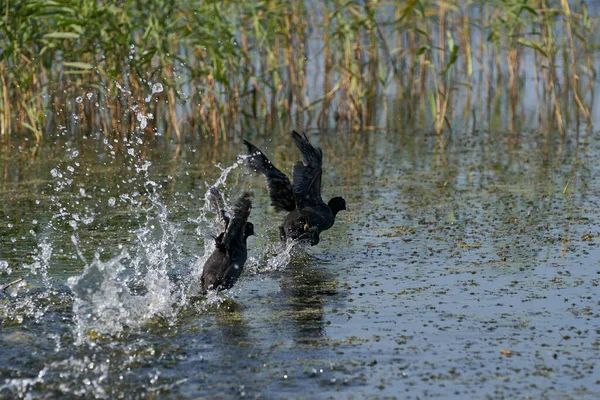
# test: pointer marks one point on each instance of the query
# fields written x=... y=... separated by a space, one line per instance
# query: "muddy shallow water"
x=470 y=271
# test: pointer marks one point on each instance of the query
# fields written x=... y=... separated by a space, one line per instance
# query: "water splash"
x=103 y=302
x=222 y=179
x=203 y=222
x=4 y=267
x=41 y=262
x=156 y=88
x=141 y=117
x=281 y=259
x=122 y=89
x=127 y=290
x=131 y=288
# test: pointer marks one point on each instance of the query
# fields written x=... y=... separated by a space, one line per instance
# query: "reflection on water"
x=447 y=256
x=304 y=291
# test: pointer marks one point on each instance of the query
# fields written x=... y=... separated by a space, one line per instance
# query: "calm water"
x=468 y=272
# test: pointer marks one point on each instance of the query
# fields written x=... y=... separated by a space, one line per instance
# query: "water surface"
x=470 y=271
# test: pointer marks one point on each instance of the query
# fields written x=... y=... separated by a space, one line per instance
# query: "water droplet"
x=79 y=100
x=143 y=120
x=112 y=201
x=89 y=95
x=157 y=88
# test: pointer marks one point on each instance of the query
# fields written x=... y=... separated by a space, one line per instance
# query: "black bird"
x=308 y=214
x=226 y=263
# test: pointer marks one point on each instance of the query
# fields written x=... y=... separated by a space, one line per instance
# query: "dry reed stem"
x=11 y=284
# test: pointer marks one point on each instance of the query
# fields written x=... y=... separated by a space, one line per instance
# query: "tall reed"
x=188 y=69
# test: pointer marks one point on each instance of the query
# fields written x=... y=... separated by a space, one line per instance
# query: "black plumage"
x=308 y=214
x=226 y=263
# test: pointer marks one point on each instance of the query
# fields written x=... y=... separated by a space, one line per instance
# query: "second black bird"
x=226 y=263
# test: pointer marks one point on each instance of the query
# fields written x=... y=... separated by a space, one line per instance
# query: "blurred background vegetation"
x=213 y=69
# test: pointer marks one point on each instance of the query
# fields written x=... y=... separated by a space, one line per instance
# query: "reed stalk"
x=226 y=67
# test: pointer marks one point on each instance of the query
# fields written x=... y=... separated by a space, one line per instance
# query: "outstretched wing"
x=279 y=186
x=307 y=173
x=216 y=200
x=239 y=217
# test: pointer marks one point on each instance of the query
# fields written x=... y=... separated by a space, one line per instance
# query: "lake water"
x=467 y=272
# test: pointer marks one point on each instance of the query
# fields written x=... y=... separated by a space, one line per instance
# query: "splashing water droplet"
x=89 y=95
x=143 y=120
x=4 y=267
x=157 y=88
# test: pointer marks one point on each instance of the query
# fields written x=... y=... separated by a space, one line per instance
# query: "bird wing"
x=278 y=184
x=237 y=223
x=218 y=205
x=307 y=173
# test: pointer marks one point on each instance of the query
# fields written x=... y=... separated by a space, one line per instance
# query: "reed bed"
x=189 y=69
